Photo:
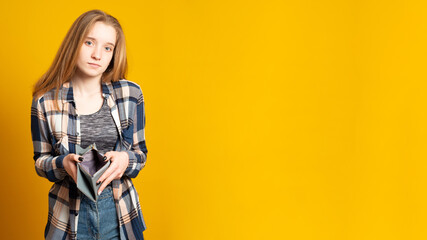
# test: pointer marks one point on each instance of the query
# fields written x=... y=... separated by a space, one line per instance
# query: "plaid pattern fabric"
x=55 y=133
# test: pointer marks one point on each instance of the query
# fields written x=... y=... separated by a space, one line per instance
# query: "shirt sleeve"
x=138 y=152
x=47 y=164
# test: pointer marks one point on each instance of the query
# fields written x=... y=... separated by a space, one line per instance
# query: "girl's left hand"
x=119 y=163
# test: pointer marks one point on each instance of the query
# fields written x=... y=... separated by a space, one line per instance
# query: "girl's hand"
x=70 y=166
x=119 y=163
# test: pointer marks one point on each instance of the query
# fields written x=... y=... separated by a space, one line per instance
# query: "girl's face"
x=96 y=51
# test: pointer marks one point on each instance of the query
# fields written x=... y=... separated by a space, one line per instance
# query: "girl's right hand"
x=70 y=166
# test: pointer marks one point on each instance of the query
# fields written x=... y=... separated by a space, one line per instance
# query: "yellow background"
x=265 y=119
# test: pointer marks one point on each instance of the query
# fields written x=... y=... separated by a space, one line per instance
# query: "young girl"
x=82 y=99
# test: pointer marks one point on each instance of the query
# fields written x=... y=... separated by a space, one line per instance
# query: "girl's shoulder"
x=124 y=83
x=48 y=98
x=124 y=86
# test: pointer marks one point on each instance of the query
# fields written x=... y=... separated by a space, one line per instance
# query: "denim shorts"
x=98 y=220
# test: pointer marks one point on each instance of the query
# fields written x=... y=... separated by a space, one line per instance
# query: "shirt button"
x=78 y=134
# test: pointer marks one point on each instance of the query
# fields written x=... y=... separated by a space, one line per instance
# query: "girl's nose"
x=96 y=54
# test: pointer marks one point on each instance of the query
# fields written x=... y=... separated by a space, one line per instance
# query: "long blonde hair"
x=64 y=64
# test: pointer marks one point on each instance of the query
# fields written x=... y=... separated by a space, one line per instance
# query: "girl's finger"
x=77 y=158
x=107 y=156
x=107 y=173
x=105 y=183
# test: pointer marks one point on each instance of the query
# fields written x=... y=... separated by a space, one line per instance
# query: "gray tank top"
x=99 y=128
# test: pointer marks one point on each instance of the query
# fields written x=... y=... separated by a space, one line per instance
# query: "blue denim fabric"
x=98 y=220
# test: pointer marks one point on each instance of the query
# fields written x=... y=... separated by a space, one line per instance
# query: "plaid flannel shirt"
x=56 y=134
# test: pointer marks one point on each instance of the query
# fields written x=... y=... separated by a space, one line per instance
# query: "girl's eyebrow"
x=95 y=40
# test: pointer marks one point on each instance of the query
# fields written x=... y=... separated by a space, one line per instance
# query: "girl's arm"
x=138 y=152
x=47 y=165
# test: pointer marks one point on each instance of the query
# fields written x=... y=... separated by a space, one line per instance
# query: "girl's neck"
x=86 y=87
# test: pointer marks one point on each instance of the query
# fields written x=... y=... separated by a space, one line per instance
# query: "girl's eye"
x=87 y=42
x=108 y=49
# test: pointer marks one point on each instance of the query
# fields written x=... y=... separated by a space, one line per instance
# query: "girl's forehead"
x=102 y=33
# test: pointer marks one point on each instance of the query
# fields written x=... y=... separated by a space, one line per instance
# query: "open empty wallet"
x=90 y=170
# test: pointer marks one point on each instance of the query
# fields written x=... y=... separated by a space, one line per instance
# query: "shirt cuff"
x=59 y=161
